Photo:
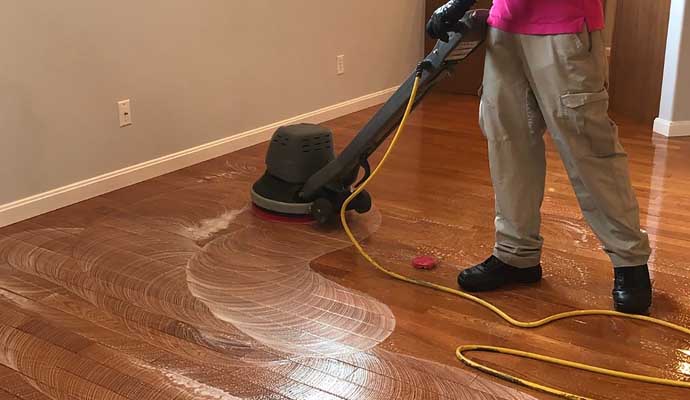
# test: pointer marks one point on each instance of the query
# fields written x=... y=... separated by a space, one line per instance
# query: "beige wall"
x=196 y=71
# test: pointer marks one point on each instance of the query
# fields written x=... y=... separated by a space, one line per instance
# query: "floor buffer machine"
x=304 y=177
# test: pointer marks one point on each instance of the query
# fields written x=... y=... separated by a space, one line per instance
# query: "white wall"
x=674 y=113
x=196 y=71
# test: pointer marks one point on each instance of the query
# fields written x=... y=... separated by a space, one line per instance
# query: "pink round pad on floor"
x=424 y=262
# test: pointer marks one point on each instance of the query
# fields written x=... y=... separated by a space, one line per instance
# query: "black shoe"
x=632 y=290
x=494 y=273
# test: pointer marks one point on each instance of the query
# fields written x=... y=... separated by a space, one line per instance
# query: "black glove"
x=447 y=17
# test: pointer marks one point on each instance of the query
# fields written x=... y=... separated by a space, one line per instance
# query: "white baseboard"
x=61 y=197
x=671 y=128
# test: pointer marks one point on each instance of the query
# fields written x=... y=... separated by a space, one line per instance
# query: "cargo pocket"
x=587 y=114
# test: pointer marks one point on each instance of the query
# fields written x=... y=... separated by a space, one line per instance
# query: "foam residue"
x=199 y=389
x=208 y=227
x=192 y=386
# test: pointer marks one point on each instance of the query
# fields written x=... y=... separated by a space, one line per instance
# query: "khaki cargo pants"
x=555 y=82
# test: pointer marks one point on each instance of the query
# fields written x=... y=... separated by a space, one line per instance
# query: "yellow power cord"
x=461 y=350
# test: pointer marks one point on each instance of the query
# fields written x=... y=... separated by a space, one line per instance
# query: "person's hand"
x=446 y=18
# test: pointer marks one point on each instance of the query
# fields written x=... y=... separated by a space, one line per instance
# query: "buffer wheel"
x=361 y=203
x=323 y=211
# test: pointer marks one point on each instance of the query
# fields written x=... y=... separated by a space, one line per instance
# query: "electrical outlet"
x=125 y=112
x=340 y=69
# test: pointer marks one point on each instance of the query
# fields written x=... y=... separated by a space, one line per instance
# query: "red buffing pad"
x=424 y=262
x=269 y=216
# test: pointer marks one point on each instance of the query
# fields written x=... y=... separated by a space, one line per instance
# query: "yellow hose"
x=461 y=350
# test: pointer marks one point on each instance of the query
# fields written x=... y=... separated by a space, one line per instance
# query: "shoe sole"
x=640 y=308
x=632 y=310
x=515 y=278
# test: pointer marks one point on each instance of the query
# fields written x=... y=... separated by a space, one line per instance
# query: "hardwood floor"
x=173 y=289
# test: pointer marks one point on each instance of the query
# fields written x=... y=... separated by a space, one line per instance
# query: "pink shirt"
x=547 y=17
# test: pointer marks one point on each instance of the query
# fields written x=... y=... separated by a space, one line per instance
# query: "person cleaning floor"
x=546 y=68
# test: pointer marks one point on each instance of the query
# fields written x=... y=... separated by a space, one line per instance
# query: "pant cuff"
x=622 y=262
x=517 y=261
